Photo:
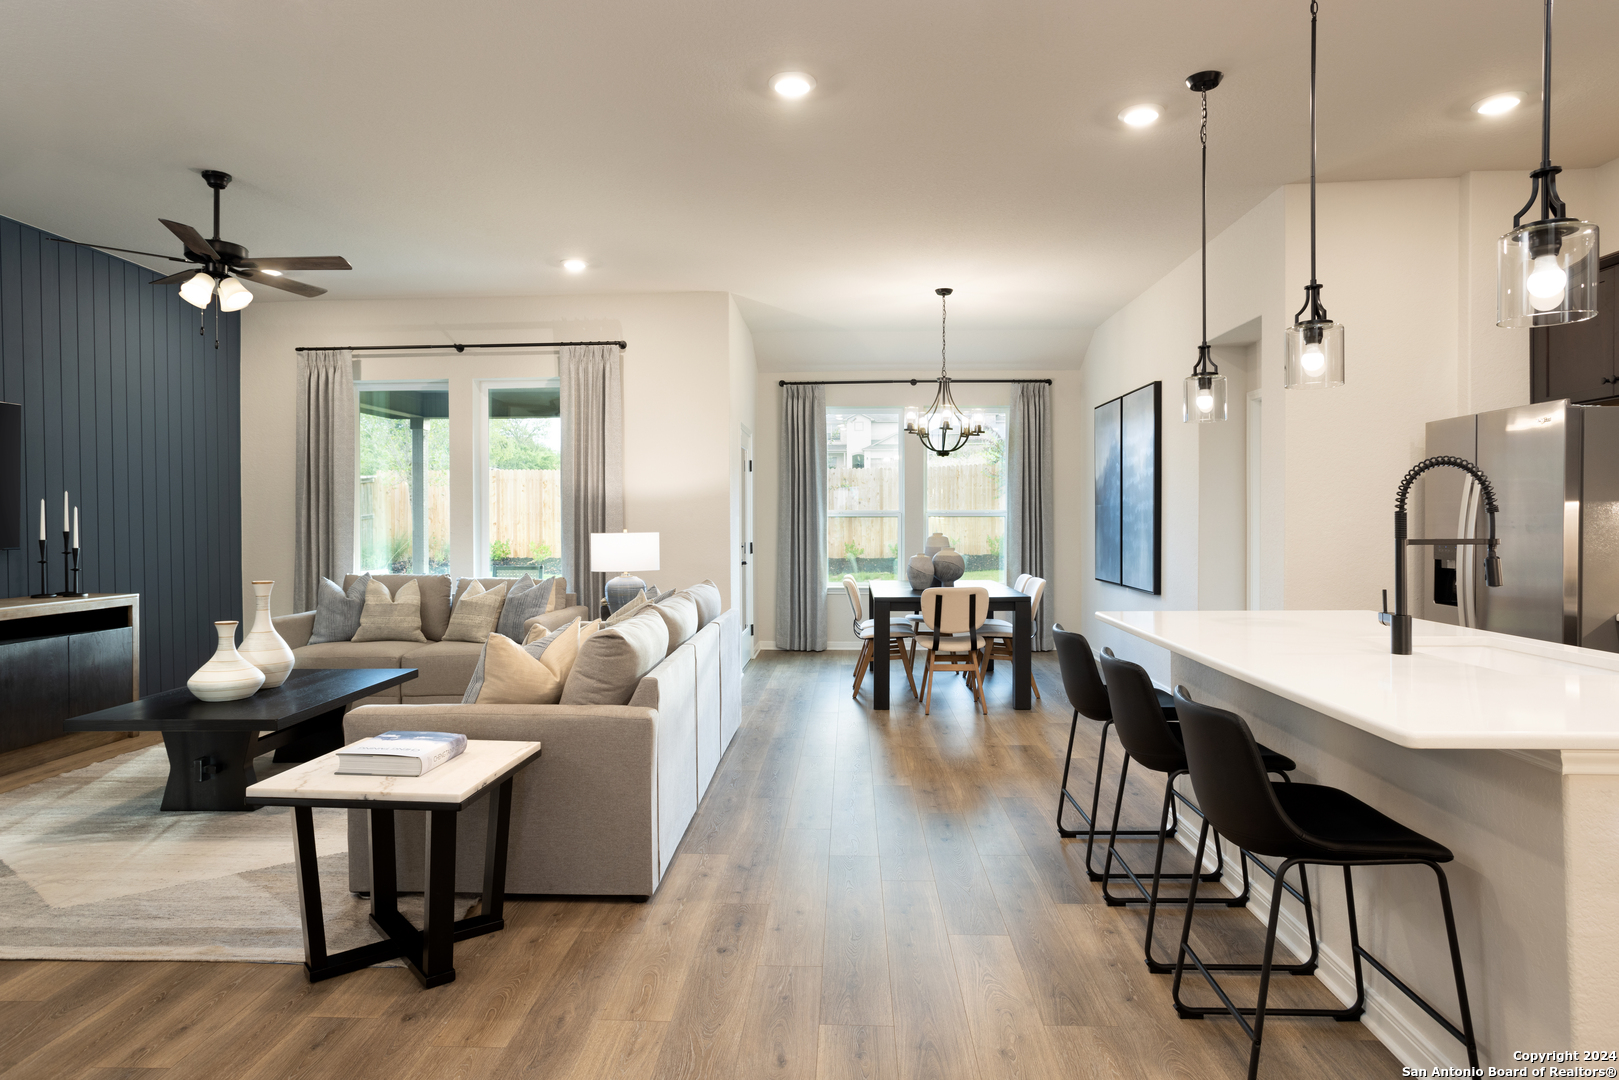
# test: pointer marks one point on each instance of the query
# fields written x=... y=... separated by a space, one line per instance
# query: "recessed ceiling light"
x=574 y=266
x=792 y=84
x=1498 y=104
x=1139 y=115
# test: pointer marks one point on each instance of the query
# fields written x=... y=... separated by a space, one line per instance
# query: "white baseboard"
x=831 y=646
x=1390 y=1015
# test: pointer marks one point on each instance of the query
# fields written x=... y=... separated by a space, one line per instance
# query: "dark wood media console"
x=61 y=657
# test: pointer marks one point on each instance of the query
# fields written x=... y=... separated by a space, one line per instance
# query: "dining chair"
x=949 y=633
x=898 y=634
x=1002 y=633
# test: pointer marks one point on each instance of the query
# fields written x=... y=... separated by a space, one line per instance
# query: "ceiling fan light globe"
x=198 y=289
x=233 y=295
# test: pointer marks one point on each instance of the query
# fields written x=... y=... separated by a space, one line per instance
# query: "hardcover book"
x=400 y=753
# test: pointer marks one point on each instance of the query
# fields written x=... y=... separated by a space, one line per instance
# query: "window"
x=966 y=498
x=403 y=506
x=523 y=510
x=864 y=493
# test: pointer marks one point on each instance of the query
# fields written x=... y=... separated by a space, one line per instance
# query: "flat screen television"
x=10 y=475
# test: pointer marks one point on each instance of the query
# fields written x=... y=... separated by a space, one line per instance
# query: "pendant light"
x=1205 y=387
x=1548 y=268
x=1315 y=344
x=943 y=428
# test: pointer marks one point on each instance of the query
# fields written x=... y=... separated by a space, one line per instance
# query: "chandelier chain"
x=943 y=311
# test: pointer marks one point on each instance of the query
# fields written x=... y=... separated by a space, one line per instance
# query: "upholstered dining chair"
x=1000 y=632
x=950 y=634
x=899 y=634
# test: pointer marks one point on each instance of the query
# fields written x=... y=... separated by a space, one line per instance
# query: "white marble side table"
x=485 y=767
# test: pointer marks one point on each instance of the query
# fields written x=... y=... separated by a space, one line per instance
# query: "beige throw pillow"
x=707 y=595
x=476 y=614
x=398 y=618
x=613 y=659
x=556 y=590
x=679 y=613
x=512 y=676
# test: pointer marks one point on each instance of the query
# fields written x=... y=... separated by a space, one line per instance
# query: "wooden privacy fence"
x=950 y=488
x=525 y=509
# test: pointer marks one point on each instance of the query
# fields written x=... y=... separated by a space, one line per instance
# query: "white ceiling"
x=467 y=148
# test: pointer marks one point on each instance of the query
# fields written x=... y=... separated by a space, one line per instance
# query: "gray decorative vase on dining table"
x=948 y=565
x=920 y=571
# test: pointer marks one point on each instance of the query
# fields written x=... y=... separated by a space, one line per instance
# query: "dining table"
x=889 y=598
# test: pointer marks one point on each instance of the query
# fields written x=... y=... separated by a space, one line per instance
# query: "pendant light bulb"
x=198 y=289
x=1547 y=283
x=1547 y=269
x=1205 y=398
x=1313 y=359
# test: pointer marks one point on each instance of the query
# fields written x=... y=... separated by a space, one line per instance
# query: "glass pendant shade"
x=198 y=289
x=233 y=295
x=1547 y=274
x=1205 y=400
x=1315 y=355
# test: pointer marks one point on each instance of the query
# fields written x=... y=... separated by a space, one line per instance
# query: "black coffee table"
x=212 y=744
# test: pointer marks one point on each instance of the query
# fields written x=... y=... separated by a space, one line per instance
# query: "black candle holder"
x=77 y=588
x=43 y=592
x=69 y=552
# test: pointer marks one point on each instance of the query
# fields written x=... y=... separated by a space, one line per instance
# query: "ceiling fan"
x=222 y=262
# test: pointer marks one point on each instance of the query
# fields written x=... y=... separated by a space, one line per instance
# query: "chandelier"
x=943 y=427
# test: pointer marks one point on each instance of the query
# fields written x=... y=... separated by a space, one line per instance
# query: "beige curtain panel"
x=592 y=458
x=327 y=425
x=801 y=521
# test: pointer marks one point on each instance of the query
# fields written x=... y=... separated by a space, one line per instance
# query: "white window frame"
x=928 y=514
x=899 y=514
x=362 y=386
x=483 y=514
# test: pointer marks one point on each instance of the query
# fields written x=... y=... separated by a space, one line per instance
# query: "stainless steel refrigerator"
x=1555 y=470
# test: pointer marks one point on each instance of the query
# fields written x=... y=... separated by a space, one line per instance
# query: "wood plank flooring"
x=862 y=896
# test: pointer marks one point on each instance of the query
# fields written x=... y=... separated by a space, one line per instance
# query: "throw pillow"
x=526 y=601
x=627 y=610
x=337 y=614
x=476 y=613
x=556 y=593
x=612 y=661
x=707 y=595
x=396 y=618
x=666 y=594
x=513 y=676
x=679 y=614
x=534 y=648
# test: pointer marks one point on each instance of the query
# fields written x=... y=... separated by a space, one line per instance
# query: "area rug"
x=91 y=869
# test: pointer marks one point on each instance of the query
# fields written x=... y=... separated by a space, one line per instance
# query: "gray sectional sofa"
x=443 y=668
x=602 y=810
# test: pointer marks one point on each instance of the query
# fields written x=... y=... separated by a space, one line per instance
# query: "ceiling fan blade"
x=306 y=262
x=126 y=251
x=192 y=239
x=258 y=277
x=174 y=279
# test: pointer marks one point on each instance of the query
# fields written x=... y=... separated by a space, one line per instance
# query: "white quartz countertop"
x=1460 y=688
x=452 y=783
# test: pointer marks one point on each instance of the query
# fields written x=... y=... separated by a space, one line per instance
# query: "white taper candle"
x=42 y=519
x=75 y=528
x=64 y=512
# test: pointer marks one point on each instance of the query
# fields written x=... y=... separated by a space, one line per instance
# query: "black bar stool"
x=1086 y=693
x=1155 y=742
x=1300 y=824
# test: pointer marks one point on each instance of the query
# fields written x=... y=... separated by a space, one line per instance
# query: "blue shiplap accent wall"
x=137 y=415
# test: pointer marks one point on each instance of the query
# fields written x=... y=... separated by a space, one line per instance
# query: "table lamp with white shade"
x=626 y=552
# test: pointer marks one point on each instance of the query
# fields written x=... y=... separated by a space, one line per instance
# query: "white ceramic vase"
x=226 y=677
x=263 y=647
x=948 y=565
x=935 y=544
x=920 y=571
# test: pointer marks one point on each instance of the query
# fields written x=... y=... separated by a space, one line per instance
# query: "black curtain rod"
x=458 y=348
x=913 y=382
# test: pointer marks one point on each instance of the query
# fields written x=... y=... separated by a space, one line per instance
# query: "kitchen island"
x=1504 y=749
